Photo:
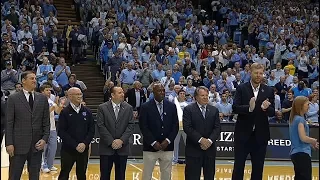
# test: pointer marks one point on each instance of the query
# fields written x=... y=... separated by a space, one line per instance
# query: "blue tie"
x=160 y=110
x=203 y=111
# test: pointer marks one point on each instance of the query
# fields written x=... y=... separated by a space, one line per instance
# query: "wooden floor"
x=134 y=172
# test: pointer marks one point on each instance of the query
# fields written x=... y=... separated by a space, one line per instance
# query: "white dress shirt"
x=255 y=93
x=114 y=106
x=75 y=108
x=137 y=92
x=26 y=94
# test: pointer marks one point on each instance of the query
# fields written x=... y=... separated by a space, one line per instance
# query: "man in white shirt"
x=51 y=146
x=278 y=72
x=167 y=80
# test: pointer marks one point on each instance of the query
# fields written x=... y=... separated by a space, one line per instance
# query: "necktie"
x=203 y=111
x=116 y=111
x=31 y=100
x=160 y=110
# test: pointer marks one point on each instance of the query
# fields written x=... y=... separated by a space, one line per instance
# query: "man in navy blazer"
x=159 y=126
x=253 y=103
x=201 y=123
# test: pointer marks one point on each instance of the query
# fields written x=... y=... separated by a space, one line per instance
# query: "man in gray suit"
x=27 y=129
x=115 y=125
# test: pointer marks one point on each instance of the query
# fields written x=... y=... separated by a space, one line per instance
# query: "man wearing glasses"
x=76 y=129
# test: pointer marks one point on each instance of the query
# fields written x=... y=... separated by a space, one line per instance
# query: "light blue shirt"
x=156 y=74
x=225 y=108
x=62 y=79
x=312 y=113
x=128 y=76
x=296 y=144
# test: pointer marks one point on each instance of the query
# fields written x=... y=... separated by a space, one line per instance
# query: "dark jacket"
x=155 y=129
x=196 y=126
x=258 y=118
x=131 y=95
x=75 y=128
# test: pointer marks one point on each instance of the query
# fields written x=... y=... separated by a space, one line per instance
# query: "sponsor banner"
x=278 y=146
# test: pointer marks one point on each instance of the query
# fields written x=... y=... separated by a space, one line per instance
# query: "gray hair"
x=196 y=92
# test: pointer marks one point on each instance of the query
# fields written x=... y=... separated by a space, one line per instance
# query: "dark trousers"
x=2 y=131
x=193 y=167
x=106 y=164
x=67 y=161
x=302 y=166
x=257 y=153
x=17 y=163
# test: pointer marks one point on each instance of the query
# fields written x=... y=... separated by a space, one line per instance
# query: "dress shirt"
x=160 y=115
x=75 y=108
x=137 y=92
x=26 y=94
x=255 y=93
x=114 y=106
x=205 y=107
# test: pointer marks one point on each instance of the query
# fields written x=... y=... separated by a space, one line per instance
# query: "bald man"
x=159 y=126
x=76 y=129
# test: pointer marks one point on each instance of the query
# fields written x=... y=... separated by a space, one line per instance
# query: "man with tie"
x=76 y=130
x=136 y=96
x=251 y=132
x=159 y=126
x=27 y=128
x=201 y=123
x=115 y=125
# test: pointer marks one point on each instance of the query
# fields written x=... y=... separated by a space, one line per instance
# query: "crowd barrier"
x=278 y=146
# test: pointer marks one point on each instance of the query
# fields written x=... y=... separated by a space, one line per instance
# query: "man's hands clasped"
x=117 y=144
x=205 y=143
x=161 y=146
x=81 y=147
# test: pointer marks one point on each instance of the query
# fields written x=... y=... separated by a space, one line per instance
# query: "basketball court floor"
x=273 y=170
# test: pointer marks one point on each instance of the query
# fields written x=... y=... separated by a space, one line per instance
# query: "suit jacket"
x=3 y=112
x=235 y=84
x=75 y=128
x=196 y=126
x=258 y=118
x=25 y=127
x=153 y=128
x=111 y=128
x=131 y=94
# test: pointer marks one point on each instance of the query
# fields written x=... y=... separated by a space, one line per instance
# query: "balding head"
x=158 y=91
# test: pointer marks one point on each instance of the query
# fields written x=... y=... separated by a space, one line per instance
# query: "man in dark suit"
x=76 y=130
x=115 y=125
x=159 y=126
x=3 y=114
x=201 y=123
x=136 y=96
x=251 y=132
x=27 y=129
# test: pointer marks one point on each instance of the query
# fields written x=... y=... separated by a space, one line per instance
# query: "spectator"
x=301 y=90
x=9 y=77
x=313 y=112
x=224 y=107
x=282 y=88
x=278 y=118
x=287 y=105
x=62 y=72
x=214 y=96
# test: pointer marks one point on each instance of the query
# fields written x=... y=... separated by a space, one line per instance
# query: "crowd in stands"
x=32 y=42
x=177 y=43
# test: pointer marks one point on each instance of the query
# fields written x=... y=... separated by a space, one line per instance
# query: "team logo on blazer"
x=84 y=113
x=165 y=113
